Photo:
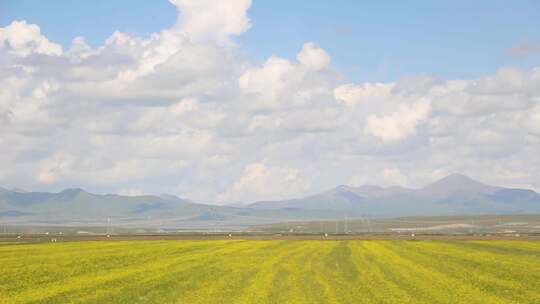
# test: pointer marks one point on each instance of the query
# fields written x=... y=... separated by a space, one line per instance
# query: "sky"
x=227 y=101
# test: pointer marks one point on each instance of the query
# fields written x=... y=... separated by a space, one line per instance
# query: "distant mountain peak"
x=457 y=183
x=71 y=193
x=72 y=190
x=172 y=197
x=348 y=188
x=458 y=177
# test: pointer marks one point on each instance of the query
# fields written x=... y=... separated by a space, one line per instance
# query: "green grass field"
x=271 y=272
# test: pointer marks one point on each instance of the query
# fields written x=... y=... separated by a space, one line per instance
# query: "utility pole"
x=369 y=224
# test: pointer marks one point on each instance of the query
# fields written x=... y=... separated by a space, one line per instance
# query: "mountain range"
x=455 y=194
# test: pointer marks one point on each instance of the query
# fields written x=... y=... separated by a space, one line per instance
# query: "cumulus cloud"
x=268 y=82
x=22 y=39
x=261 y=180
x=400 y=124
x=353 y=95
x=217 y=21
x=313 y=57
x=55 y=167
x=182 y=111
x=280 y=84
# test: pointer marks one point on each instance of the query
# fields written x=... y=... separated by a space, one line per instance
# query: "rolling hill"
x=78 y=207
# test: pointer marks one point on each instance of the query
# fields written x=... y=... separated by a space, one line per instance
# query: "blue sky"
x=368 y=41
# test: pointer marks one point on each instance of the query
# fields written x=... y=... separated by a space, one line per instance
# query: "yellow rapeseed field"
x=287 y=271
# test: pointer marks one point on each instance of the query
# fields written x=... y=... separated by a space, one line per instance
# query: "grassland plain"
x=240 y=271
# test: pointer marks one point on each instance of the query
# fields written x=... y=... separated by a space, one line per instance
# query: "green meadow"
x=284 y=271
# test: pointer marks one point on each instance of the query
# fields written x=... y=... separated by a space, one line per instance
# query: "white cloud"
x=398 y=125
x=280 y=84
x=394 y=177
x=352 y=95
x=387 y=177
x=57 y=166
x=531 y=120
x=263 y=181
x=313 y=57
x=268 y=82
x=217 y=21
x=22 y=39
